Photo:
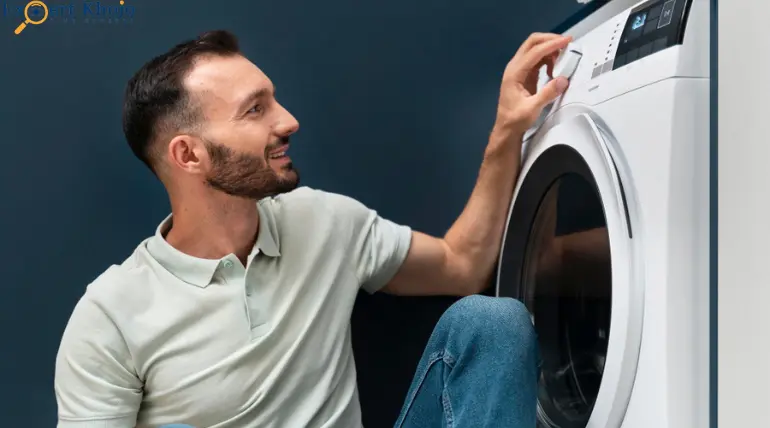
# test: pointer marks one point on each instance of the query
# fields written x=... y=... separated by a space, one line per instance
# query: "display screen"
x=637 y=22
x=651 y=27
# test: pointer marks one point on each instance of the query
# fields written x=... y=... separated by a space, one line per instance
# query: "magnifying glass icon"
x=28 y=20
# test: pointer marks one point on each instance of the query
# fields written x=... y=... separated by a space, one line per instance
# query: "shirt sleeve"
x=95 y=383
x=378 y=247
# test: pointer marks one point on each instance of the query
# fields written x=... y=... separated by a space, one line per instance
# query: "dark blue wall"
x=395 y=101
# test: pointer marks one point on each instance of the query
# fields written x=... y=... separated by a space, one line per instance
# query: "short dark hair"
x=155 y=100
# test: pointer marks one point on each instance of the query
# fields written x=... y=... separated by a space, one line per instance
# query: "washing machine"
x=607 y=238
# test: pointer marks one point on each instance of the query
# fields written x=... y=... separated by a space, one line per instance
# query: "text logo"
x=36 y=12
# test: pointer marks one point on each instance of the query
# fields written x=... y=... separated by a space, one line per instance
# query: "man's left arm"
x=462 y=262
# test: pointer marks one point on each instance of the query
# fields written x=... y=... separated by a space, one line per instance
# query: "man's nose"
x=286 y=124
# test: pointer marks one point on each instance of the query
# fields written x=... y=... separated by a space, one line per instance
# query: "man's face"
x=245 y=131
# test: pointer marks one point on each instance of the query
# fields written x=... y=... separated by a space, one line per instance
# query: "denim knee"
x=499 y=318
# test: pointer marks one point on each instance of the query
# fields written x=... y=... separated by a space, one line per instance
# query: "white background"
x=744 y=213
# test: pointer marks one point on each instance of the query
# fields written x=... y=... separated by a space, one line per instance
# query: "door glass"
x=567 y=286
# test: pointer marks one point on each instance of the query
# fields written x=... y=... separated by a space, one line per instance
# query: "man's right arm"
x=95 y=382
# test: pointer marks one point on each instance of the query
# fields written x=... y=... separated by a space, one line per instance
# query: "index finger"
x=541 y=51
x=535 y=39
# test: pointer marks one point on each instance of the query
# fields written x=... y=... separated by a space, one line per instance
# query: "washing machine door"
x=568 y=254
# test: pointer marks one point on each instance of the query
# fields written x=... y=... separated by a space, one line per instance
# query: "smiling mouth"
x=279 y=154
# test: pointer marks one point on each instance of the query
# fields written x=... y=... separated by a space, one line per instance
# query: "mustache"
x=277 y=144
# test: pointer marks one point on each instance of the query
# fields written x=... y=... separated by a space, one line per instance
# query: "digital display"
x=650 y=27
x=639 y=21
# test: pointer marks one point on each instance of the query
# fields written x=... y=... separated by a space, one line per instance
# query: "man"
x=236 y=313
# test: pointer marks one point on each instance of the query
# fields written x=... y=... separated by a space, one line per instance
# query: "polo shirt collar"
x=198 y=271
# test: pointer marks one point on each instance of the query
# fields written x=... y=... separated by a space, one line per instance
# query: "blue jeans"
x=479 y=369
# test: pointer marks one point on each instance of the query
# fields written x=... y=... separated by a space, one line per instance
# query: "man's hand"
x=520 y=103
x=463 y=261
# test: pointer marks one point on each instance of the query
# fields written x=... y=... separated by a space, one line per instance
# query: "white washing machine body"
x=628 y=347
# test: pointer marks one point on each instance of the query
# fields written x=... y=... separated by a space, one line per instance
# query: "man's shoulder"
x=305 y=203
x=108 y=304
x=120 y=285
x=311 y=198
x=304 y=195
x=307 y=215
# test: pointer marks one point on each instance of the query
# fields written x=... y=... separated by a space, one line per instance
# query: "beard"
x=247 y=175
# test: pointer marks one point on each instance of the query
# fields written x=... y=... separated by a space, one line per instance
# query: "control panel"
x=650 y=27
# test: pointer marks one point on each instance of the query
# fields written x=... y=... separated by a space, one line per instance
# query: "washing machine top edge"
x=646 y=43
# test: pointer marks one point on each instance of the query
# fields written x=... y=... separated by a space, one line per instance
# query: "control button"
x=597 y=71
x=655 y=12
x=568 y=61
x=632 y=55
x=228 y=264
x=645 y=50
x=652 y=25
x=660 y=44
x=668 y=13
x=543 y=78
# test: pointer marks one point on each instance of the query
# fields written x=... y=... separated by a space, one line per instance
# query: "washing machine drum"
x=558 y=260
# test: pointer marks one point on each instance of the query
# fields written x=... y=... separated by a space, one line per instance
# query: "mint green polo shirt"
x=165 y=337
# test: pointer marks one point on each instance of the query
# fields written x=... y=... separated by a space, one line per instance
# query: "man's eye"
x=256 y=109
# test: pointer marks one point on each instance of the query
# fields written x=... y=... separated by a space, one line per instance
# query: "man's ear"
x=188 y=153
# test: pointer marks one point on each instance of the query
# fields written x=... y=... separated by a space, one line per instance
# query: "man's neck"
x=214 y=226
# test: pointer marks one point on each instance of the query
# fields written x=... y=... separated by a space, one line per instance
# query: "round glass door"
x=568 y=255
x=566 y=283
